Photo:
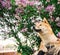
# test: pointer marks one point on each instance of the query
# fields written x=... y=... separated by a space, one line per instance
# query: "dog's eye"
x=45 y=21
x=40 y=24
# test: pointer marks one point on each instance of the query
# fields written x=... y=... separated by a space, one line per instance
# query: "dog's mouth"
x=37 y=30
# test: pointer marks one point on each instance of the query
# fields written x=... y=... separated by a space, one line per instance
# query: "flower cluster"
x=50 y=8
x=24 y=3
x=5 y=3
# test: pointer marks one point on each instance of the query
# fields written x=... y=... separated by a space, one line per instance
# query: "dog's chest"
x=52 y=50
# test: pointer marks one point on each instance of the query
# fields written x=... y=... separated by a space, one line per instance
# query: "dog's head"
x=42 y=26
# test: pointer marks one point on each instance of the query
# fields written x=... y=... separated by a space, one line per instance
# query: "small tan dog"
x=48 y=38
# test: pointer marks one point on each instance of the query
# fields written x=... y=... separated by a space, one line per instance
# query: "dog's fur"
x=47 y=36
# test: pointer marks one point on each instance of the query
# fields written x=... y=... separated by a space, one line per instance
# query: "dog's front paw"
x=41 y=52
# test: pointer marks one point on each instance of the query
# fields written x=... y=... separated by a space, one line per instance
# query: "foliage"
x=20 y=17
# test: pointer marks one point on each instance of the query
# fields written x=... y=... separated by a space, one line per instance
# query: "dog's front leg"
x=41 y=52
x=42 y=49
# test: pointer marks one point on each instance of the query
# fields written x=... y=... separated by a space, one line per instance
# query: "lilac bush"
x=19 y=17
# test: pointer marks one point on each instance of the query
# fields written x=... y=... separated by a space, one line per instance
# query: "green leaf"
x=13 y=2
x=54 y=1
x=26 y=50
x=24 y=53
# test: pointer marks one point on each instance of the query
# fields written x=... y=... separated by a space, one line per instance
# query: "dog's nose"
x=37 y=30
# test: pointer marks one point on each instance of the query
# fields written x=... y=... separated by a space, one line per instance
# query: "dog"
x=50 y=44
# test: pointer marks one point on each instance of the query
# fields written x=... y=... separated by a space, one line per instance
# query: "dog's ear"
x=45 y=20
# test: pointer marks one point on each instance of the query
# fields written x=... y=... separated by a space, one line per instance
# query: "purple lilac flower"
x=3 y=3
x=0 y=0
x=19 y=10
x=52 y=19
x=24 y=30
x=57 y=21
x=24 y=3
x=6 y=3
x=59 y=34
x=58 y=24
x=31 y=3
x=17 y=2
x=50 y=8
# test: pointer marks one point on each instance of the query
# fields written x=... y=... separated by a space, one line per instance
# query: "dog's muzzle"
x=37 y=30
